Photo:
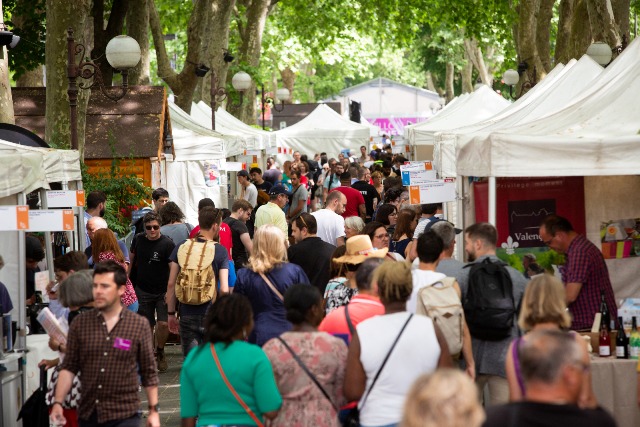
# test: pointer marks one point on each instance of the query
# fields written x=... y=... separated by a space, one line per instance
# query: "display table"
x=38 y=346
x=615 y=384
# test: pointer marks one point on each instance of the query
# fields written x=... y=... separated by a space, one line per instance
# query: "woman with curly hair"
x=265 y=280
x=104 y=246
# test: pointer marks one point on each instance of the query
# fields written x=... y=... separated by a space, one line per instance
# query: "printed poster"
x=620 y=238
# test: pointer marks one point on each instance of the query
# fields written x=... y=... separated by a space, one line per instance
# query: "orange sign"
x=80 y=198
x=14 y=218
x=68 y=219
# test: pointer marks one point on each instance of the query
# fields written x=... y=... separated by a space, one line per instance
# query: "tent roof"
x=323 y=130
x=598 y=134
x=24 y=169
x=481 y=104
x=227 y=124
x=192 y=141
x=384 y=82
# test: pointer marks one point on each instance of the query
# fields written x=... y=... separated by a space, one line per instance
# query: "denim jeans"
x=191 y=332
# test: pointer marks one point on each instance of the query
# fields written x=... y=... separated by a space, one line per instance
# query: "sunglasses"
x=152 y=227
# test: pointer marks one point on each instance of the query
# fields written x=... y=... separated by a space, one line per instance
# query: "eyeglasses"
x=393 y=214
x=152 y=227
x=548 y=242
x=380 y=236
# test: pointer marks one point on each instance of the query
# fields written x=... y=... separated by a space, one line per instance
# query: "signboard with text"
x=65 y=198
x=51 y=220
x=14 y=218
x=438 y=191
x=418 y=177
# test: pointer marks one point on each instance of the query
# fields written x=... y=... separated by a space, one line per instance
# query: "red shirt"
x=225 y=236
x=354 y=199
x=361 y=307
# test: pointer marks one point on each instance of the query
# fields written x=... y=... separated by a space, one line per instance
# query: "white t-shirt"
x=251 y=195
x=407 y=362
x=421 y=278
x=330 y=225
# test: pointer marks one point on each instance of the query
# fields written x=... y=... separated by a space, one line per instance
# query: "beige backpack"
x=196 y=283
x=441 y=303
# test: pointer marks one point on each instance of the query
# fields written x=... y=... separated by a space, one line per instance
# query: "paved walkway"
x=169 y=390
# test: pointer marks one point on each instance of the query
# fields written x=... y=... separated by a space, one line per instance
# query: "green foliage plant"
x=124 y=190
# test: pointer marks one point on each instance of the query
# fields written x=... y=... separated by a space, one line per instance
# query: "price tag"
x=14 y=218
x=442 y=190
x=65 y=198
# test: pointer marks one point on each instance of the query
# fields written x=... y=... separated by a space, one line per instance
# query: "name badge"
x=122 y=344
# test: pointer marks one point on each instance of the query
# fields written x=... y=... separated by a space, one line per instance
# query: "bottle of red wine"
x=622 y=343
x=605 y=341
x=604 y=310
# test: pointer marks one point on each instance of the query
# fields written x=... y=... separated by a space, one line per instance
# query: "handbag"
x=252 y=414
x=309 y=373
x=352 y=419
x=34 y=412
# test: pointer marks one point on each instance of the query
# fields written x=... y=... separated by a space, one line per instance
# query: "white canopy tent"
x=198 y=169
x=23 y=170
x=562 y=87
x=227 y=124
x=597 y=136
x=324 y=130
x=478 y=106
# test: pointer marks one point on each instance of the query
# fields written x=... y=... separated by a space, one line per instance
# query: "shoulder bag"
x=252 y=414
x=353 y=417
x=309 y=373
x=273 y=288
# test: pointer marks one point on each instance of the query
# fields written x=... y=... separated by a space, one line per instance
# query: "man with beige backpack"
x=438 y=297
x=196 y=267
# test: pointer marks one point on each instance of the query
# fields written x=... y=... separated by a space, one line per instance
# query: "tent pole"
x=460 y=218
x=81 y=243
x=21 y=341
x=492 y=200
x=48 y=253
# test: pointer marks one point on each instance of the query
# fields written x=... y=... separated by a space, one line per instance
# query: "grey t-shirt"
x=450 y=267
x=299 y=193
x=176 y=232
x=490 y=356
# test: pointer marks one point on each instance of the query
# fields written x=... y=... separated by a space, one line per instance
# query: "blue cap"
x=279 y=189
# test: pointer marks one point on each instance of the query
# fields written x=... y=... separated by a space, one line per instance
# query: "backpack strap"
x=186 y=261
x=204 y=249
x=309 y=373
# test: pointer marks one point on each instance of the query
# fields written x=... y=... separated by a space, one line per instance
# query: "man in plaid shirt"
x=585 y=273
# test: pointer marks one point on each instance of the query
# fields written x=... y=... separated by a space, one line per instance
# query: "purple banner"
x=395 y=125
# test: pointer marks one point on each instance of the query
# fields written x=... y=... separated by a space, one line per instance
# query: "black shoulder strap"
x=308 y=372
x=385 y=361
x=352 y=328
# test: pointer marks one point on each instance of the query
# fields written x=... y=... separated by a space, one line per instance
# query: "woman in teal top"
x=204 y=395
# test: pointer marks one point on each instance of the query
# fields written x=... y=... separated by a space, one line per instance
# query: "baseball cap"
x=243 y=173
x=279 y=189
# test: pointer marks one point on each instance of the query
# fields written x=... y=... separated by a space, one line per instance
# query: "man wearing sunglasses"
x=149 y=272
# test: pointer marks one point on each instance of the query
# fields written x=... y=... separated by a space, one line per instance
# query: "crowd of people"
x=322 y=298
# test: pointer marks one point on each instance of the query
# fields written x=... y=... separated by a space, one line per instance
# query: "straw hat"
x=359 y=249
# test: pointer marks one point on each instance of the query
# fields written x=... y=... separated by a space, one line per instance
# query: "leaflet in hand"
x=53 y=327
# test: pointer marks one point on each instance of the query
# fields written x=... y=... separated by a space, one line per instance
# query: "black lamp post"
x=122 y=53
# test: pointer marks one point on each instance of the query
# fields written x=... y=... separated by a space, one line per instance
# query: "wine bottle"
x=622 y=349
x=604 y=311
x=605 y=341
x=634 y=340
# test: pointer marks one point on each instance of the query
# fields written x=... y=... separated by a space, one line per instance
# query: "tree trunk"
x=213 y=45
x=138 y=28
x=474 y=54
x=102 y=36
x=250 y=54
x=183 y=84
x=450 y=76
x=602 y=22
x=430 y=84
x=580 y=30
x=62 y=14
x=543 y=33
x=288 y=81
x=527 y=46
x=621 y=12
x=32 y=78
x=467 y=75
x=563 y=38
x=6 y=100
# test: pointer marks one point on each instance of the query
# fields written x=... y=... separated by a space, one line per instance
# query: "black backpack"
x=489 y=305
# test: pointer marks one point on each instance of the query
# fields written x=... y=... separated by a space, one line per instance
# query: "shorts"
x=152 y=306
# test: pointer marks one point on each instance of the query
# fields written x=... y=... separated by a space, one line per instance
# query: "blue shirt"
x=5 y=299
x=269 y=314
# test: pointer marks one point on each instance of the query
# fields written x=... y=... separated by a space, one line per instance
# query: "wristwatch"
x=171 y=313
x=154 y=408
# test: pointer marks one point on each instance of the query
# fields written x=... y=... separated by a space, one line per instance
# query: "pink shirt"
x=361 y=307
